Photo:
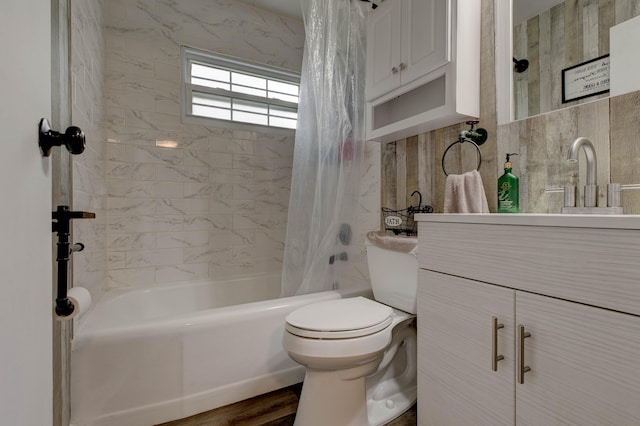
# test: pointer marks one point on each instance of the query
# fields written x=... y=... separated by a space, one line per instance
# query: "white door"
x=25 y=215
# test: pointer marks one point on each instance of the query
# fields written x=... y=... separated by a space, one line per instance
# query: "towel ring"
x=462 y=140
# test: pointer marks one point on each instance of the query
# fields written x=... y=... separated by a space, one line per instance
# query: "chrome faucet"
x=591 y=187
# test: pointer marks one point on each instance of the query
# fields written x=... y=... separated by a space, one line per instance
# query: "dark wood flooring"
x=277 y=408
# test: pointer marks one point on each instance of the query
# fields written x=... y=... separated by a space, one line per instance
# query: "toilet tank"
x=394 y=277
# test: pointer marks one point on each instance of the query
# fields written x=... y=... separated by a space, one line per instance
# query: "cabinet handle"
x=522 y=368
x=402 y=66
x=495 y=326
x=394 y=70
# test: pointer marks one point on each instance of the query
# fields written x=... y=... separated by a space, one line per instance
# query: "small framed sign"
x=586 y=79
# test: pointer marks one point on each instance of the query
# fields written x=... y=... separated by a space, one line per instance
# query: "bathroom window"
x=222 y=88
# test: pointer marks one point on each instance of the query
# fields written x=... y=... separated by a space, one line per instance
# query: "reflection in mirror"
x=555 y=36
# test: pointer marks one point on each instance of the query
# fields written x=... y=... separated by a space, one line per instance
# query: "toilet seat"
x=339 y=319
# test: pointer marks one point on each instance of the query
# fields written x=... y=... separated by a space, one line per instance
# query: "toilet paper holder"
x=61 y=224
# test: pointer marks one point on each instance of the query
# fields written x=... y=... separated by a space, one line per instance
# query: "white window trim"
x=189 y=55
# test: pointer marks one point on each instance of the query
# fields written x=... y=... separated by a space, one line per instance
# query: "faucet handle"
x=570 y=196
x=613 y=195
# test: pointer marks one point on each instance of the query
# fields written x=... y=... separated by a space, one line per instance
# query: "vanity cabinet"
x=422 y=66
x=456 y=385
x=580 y=362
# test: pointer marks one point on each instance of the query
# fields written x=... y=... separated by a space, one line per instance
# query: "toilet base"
x=335 y=397
x=382 y=412
x=392 y=390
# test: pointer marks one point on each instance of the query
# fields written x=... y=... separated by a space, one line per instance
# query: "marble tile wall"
x=88 y=170
x=216 y=204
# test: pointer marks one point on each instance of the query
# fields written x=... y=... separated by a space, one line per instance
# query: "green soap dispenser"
x=508 y=196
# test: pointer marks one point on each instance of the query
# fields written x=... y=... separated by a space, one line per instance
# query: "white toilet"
x=360 y=354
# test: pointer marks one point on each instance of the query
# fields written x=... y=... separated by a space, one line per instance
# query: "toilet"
x=360 y=354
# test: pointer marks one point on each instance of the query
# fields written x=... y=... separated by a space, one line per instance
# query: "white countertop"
x=526 y=219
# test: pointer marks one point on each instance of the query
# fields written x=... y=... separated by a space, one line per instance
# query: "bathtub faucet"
x=591 y=187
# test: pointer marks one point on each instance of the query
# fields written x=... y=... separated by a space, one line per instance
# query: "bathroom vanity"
x=528 y=319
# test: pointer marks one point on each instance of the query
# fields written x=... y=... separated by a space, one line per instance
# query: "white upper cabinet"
x=407 y=40
x=383 y=53
x=423 y=66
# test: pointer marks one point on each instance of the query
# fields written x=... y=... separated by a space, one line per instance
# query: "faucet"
x=591 y=187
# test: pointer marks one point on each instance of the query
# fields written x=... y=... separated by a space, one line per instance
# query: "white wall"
x=25 y=245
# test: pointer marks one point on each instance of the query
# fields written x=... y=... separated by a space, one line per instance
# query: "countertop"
x=526 y=219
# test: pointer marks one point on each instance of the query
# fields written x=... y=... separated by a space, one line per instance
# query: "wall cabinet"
x=578 y=363
x=423 y=66
x=407 y=40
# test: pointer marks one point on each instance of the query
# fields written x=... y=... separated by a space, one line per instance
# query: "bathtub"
x=147 y=356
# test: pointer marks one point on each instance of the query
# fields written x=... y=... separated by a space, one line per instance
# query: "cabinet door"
x=585 y=364
x=383 y=49
x=425 y=37
x=456 y=383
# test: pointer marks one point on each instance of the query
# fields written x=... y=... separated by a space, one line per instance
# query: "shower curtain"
x=329 y=147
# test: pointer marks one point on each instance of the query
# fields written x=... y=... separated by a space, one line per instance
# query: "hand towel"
x=465 y=194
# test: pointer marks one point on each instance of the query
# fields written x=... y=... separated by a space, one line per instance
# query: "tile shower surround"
x=213 y=205
x=88 y=170
x=199 y=211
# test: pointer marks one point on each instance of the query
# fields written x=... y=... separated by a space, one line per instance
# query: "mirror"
x=552 y=35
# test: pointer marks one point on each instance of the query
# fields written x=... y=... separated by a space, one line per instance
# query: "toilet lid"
x=339 y=319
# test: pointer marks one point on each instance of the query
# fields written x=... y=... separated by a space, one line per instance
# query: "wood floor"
x=277 y=408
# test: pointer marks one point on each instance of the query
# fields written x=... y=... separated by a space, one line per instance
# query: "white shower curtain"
x=329 y=147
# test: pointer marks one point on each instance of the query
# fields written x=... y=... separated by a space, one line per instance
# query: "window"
x=223 y=88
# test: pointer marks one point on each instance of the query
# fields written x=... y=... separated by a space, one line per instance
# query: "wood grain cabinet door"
x=456 y=382
x=584 y=364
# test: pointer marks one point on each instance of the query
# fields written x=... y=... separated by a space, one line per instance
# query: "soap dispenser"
x=508 y=190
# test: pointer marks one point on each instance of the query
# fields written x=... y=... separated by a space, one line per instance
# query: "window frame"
x=190 y=55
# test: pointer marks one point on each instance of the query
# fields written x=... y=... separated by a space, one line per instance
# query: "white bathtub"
x=147 y=356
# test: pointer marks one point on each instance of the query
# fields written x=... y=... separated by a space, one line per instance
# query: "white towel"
x=465 y=194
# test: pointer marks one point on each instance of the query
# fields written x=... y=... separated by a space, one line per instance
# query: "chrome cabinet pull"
x=402 y=66
x=394 y=70
x=521 y=367
x=495 y=326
